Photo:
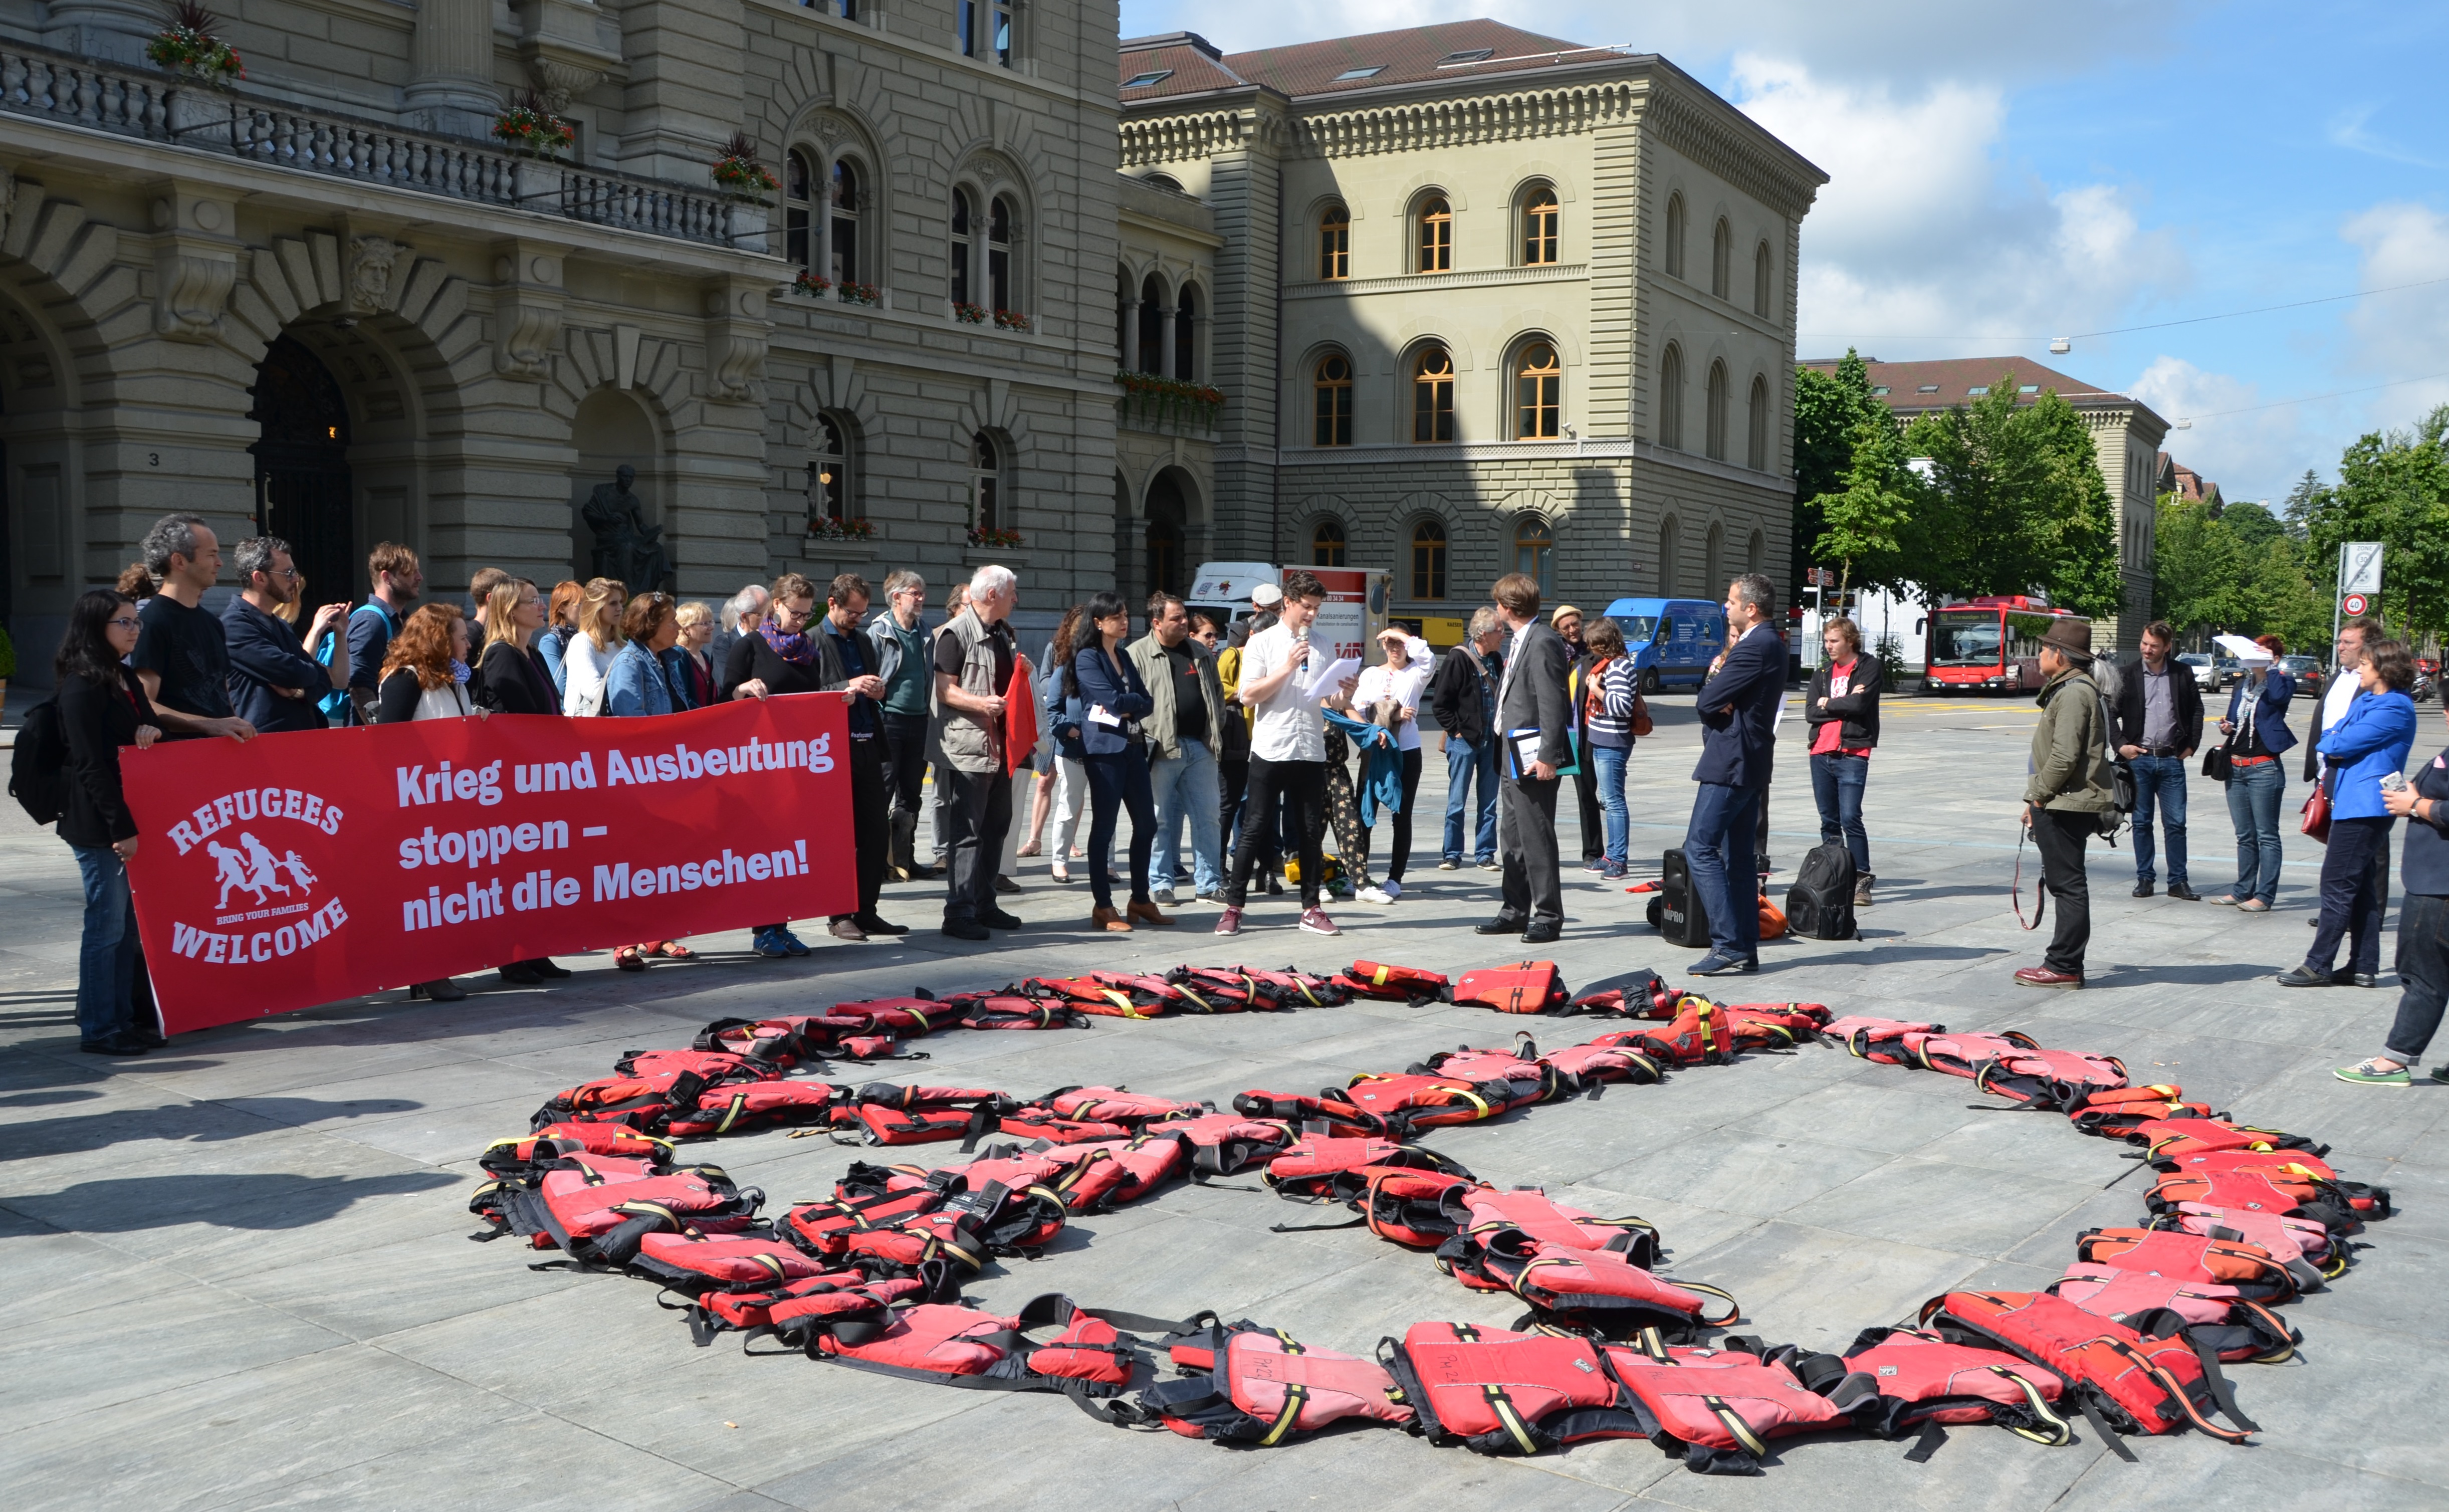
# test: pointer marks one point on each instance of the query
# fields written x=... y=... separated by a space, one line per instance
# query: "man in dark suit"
x=1738 y=708
x=1534 y=720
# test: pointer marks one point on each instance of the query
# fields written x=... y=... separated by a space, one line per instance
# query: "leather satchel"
x=2217 y=764
x=2317 y=813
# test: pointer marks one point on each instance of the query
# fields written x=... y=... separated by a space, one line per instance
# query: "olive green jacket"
x=2070 y=749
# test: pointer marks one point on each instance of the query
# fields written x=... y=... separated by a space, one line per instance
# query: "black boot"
x=902 y=859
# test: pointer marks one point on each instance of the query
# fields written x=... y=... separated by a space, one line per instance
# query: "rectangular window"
x=845 y=249
x=1335 y=250
x=1432 y=409
x=1334 y=415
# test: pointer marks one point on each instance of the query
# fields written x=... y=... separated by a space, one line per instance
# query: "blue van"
x=1671 y=640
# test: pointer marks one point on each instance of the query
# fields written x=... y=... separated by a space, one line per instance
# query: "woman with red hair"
x=425 y=676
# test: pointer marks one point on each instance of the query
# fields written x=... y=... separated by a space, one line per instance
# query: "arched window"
x=1763 y=273
x=1675 y=236
x=799 y=179
x=841 y=215
x=1714 y=442
x=1331 y=400
x=830 y=495
x=1756 y=439
x=1755 y=552
x=1539 y=227
x=1434 y=243
x=1433 y=396
x=1538 y=393
x=1162 y=181
x=959 y=250
x=1534 y=552
x=983 y=29
x=1326 y=543
x=1151 y=355
x=989 y=508
x=1671 y=567
x=1713 y=558
x=1186 y=333
x=1429 y=560
x=1335 y=244
x=1722 y=260
x=1000 y=217
x=1670 y=398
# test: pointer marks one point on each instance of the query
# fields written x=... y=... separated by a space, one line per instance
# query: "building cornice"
x=1158 y=226
x=1436 y=282
x=1233 y=121
x=1720 y=139
x=1420 y=124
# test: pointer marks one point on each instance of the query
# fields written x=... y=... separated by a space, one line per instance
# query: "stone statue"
x=628 y=548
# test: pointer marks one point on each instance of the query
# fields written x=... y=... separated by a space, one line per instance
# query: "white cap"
x=1266 y=593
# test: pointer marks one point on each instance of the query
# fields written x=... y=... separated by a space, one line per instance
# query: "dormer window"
x=1143 y=81
x=1467 y=55
x=1367 y=71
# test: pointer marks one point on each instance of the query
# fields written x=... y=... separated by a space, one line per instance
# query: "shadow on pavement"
x=182 y=1123
x=129 y=1204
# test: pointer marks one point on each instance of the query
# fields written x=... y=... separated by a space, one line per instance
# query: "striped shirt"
x=1609 y=701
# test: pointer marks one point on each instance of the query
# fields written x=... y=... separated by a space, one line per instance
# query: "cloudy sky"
x=2002 y=174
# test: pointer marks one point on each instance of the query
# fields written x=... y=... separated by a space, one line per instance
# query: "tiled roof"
x=1412 y=55
x=1952 y=381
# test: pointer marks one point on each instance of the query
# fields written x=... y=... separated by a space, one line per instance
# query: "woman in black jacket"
x=1843 y=709
x=510 y=676
x=103 y=707
x=1106 y=700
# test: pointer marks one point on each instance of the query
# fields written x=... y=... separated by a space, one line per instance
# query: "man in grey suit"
x=1534 y=720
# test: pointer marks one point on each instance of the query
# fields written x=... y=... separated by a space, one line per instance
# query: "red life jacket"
x=1497 y=1391
x=1598 y=1290
x=711 y=1066
x=1524 y=987
x=836 y=1297
x=1765 y=1026
x=1644 y=994
x=2122 y=1379
x=1370 y=979
x=1962 y=1054
x=1011 y=1195
x=512 y=1158
x=1088 y=1358
x=2220 y=1317
x=1306 y=1169
x=1138 y=1165
x=691 y=1262
x=1899 y=1380
x=2262 y=1188
x=1722 y=1404
x=739 y=1106
x=2115 y=1111
x=2300 y=1244
x=2174 y=1138
x=600 y=1217
x=1879 y=1039
x=1221 y=1144
x=2058 y=1081
x=1109 y=994
x=1699 y=1035
x=1410 y=1205
x=1298 y=987
x=1409 y=1102
x=1229 y=990
x=883 y=1114
x=1333 y=1109
x=775 y=1041
x=1243 y=1383
x=1009 y=1009
x=638 y=1101
x=1547 y=1221
x=825 y=1229
x=901 y=1016
x=2253 y=1271
x=1532 y=1080
x=1590 y=1067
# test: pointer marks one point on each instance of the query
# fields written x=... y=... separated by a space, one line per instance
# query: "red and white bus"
x=1989 y=645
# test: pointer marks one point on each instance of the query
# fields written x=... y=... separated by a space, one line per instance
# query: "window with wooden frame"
x=1432 y=416
x=1539 y=220
x=1331 y=400
x=1335 y=244
x=1538 y=393
x=841 y=217
x=1534 y=552
x=1327 y=543
x=1434 y=243
x=1429 y=560
x=799 y=180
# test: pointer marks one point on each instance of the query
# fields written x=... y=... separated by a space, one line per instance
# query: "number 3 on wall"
x=153 y=459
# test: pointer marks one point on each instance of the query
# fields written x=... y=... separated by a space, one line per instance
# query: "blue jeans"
x=106 y=957
x=1464 y=758
x=1719 y=853
x=2161 y=778
x=1609 y=761
x=1837 y=781
x=1186 y=784
x=2254 y=795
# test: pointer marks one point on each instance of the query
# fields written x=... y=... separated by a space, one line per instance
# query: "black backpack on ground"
x=1821 y=904
x=1676 y=912
x=38 y=767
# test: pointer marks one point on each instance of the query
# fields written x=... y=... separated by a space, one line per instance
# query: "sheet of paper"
x=1098 y=714
x=1325 y=684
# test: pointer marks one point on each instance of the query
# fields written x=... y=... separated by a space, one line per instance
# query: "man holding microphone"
x=1288 y=748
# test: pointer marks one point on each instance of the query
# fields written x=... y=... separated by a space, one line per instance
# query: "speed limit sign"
x=2355 y=604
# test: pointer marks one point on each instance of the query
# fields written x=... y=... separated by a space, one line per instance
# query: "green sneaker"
x=2368 y=1074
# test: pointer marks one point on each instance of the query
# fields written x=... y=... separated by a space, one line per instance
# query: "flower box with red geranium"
x=993 y=536
x=825 y=527
x=187 y=47
x=969 y=313
x=739 y=176
x=1010 y=321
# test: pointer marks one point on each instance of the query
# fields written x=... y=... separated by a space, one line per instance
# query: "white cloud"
x=2403 y=334
x=2254 y=454
x=2349 y=129
x=1922 y=233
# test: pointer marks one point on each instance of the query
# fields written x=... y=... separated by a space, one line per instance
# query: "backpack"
x=1821 y=904
x=38 y=766
x=1677 y=911
x=2121 y=776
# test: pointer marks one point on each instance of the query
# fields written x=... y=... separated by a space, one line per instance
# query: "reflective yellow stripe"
x=1380 y=979
x=771 y=1264
x=1512 y=1420
x=2057 y=1431
x=1295 y=1394
x=739 y=1101
x=1736 y=1426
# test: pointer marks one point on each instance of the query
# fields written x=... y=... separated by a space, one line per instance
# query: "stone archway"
x=303 y=491
x=1165 y=540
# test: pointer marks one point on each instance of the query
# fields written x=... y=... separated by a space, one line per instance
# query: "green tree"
x=2284 y=599
x=2017 y=503
x=2198 y=568
x=2393 y=488
x=2252 y=524
x=1871 y=526
x=1829 y=409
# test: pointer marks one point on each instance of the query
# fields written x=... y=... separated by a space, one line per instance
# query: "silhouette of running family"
x=259 y=871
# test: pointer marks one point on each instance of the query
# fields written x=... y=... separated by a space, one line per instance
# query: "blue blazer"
x=2368 y=743
x=1122 y=694
x=1738 y=710
x=634 y=685
x=2270 y=712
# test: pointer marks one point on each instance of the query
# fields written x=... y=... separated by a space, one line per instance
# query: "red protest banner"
x=298 y=869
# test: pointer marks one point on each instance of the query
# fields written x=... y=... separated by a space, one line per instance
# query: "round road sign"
x=2355 y=602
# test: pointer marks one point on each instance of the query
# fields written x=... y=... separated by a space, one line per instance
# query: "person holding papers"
x=1534 y=732
x=1105 y=701
x=1283 y=680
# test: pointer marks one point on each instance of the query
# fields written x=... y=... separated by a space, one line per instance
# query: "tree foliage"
x=2393 y=488
x=1830 y=409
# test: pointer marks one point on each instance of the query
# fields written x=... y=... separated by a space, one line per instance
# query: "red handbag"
x=2317 y=814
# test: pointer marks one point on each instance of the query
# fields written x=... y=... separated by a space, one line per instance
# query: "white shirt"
x=1283 y=726
x=2345 y=685
x=585 y=667
x=1404 y=684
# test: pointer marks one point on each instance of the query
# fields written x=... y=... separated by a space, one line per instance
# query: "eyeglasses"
x=282 y=571
x=128 y=622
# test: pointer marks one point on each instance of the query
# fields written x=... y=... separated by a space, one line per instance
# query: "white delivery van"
x=1348 y=622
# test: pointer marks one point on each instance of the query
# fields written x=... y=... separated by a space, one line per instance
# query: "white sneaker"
x=1376 y=895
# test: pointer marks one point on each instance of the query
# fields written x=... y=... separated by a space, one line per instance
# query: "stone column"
x=451 y=77
x=1165 y=339
x=1131 y=333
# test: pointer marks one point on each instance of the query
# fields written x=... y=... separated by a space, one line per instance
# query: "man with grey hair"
x=742 y=613
x=900 y=659
x=182 y=656
x=1462 y=695
x=1738 y=705
x=275 y=680
x=973 y=658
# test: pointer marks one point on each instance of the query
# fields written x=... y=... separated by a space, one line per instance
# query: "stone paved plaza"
x=239 y=1276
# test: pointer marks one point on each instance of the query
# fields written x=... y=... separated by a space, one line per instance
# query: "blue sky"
x=2030 y=171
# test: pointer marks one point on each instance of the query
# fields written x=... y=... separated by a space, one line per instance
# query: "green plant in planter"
x=187 y=47
x=528 y=127
x=739 y=175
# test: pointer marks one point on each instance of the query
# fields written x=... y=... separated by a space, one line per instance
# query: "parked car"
x=2226 y=671
x=2308 y=672
x=2206 y=675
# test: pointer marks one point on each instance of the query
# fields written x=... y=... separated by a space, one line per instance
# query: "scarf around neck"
x=796 y=648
